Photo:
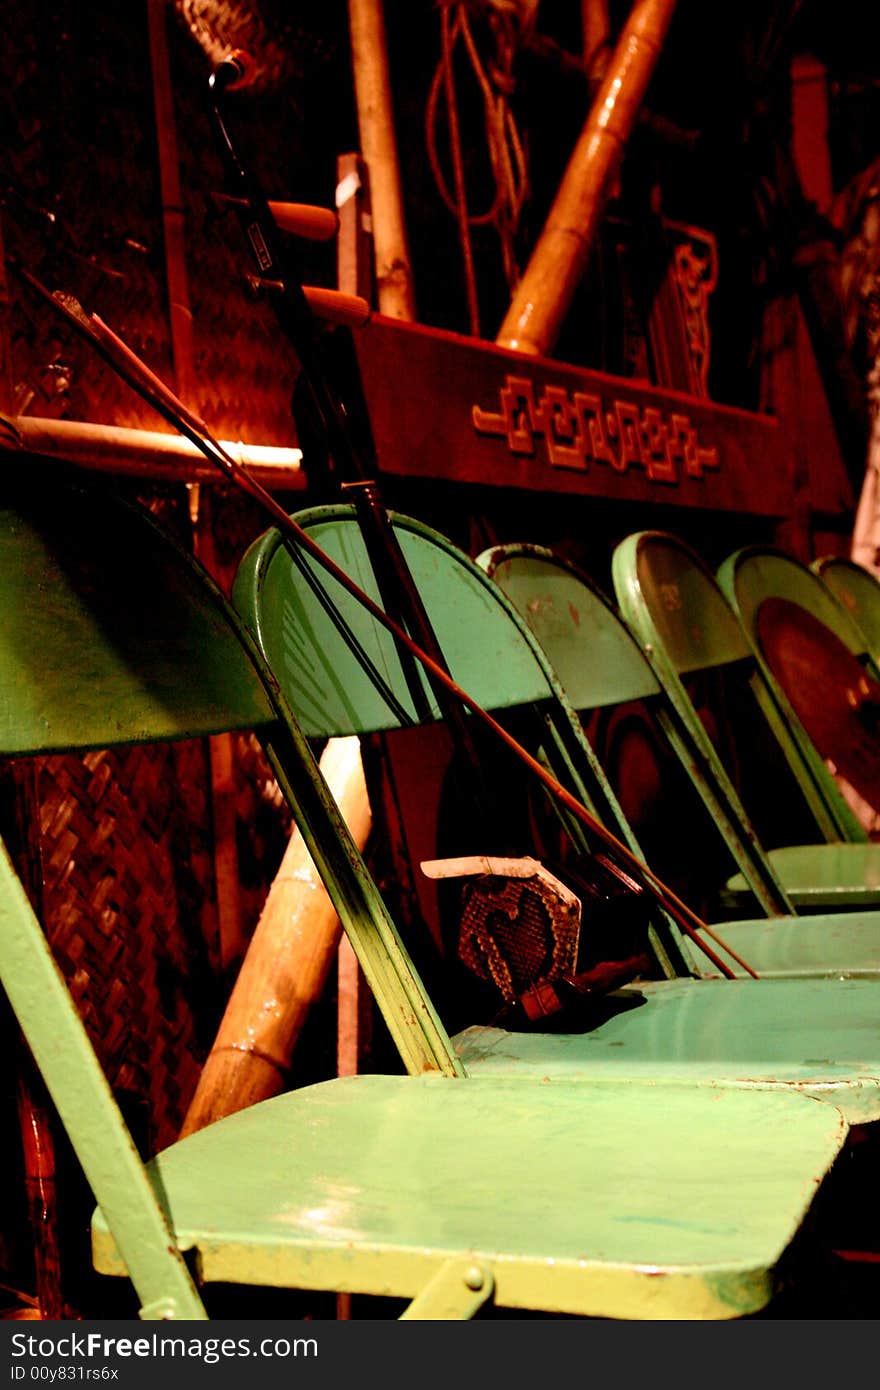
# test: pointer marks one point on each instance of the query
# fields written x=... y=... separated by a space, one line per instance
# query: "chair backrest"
x=754 y=575
x=858 y=590
x=488 y=649
x=810 y=650
x=699 y=649
x=107 y=637
x=600 y=664
x=113 y=635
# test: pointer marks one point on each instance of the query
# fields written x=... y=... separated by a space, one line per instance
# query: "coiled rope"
x=509 y=22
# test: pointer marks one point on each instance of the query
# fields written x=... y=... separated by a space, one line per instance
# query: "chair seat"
x=817 y=1037
x=818 y=877
x=833 y=945
x=575 y=1196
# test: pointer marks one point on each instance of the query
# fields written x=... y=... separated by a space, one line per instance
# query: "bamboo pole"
x=596 y=27
x=146 y=453
x=286 y=965
x=544 y=294
x=369 y=55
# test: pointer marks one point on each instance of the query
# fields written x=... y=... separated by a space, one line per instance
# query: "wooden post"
x=286 y=965
x=557 y=263
x=369 y=55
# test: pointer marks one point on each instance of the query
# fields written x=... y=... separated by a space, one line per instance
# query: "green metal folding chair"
x=815 y=1036
x=700 y=650
x=858 y=590
x=429 y=1187
x=602 y=667
x=817 y=665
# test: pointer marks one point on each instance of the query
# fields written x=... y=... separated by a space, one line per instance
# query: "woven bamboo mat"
x=130 y=912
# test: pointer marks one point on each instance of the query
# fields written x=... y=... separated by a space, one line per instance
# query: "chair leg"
x=455 y=1293
x=88 y=1110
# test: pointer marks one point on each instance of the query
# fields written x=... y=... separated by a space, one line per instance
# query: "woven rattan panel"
x=83 y=211
x=129 y=905
x=129 y=908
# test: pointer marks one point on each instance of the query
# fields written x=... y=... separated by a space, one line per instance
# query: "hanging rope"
x=509 y=22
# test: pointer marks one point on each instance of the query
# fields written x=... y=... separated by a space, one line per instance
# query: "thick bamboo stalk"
x=394 y=279
x=286 y=965
x=545 y=291
x=146 y=453
x=349 y=997
x=597 y=37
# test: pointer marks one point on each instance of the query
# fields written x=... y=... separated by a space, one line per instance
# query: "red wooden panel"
x=454 y=408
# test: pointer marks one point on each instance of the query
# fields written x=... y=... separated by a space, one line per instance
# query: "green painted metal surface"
x=753 y=574
x=822 y=877
x=114 y=636
x=457 y=1291
x=859 y=593
x=327 y=687
x=490 y=652
x=599 y=662
x=596 y=662
x=707 y=1053
x=580 y=1198
x=110 y=602
x=374 y=1184
x=106 y=635
x=816 y=1037
x=580 y=631
x=412 y=1021
x=826 y=945
x=748 y=577
x=690 y=618
x=656 y=616
x=64 y=1055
